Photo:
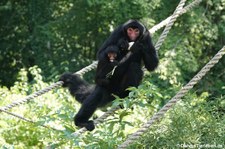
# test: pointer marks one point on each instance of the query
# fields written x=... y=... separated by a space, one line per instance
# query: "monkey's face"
x=112 y=56
x=133 y=33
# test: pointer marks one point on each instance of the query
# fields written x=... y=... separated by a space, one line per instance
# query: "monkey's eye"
x=130 y=29
x=136 y=30
x=133 y=31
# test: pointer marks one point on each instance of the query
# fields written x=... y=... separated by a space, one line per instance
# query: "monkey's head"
x=112 y=53
x=133 y=30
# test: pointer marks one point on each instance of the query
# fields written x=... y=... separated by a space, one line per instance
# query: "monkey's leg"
x=87 y=109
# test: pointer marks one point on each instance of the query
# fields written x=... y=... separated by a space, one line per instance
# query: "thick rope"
x=25 y=119
x=184 y=10
x=47 y=89
x=170 y=24
x=174 y=100
x=161 y=39
x=90 y=67
x=32 y=96
x=97 y=121
x=94 y=64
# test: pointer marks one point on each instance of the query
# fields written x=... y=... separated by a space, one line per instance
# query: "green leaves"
x=39 y=40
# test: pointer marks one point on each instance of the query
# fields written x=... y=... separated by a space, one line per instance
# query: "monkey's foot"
x=89 y=125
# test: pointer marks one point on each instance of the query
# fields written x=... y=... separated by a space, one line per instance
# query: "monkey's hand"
x=110 y=74
x=137 y=47
x=66 y=78
x=123 y=44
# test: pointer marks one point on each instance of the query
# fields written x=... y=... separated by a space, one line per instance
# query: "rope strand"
x=184 y=10
x=169 y=25
x=86 y=69
x=47 y=89
x=94 y=64
x=97 y=121
x=174 y=100
x=25 y=119
x=161 y=39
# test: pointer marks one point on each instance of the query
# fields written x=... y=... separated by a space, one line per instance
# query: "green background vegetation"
x=41 y=39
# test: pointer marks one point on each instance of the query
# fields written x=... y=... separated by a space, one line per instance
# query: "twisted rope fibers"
x=83 y=71
x=174 y=100
x=158 y=44
x=25 y=119
x=94 y=64
x=169 y=25
x=47 y=89
x=184 y=10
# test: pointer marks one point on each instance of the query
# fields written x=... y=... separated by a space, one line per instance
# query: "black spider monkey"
x=119 y=67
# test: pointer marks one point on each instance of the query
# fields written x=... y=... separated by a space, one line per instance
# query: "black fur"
x=128 y=72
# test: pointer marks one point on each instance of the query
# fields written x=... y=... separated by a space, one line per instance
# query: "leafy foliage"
x=190 y=122
x=39 y=40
